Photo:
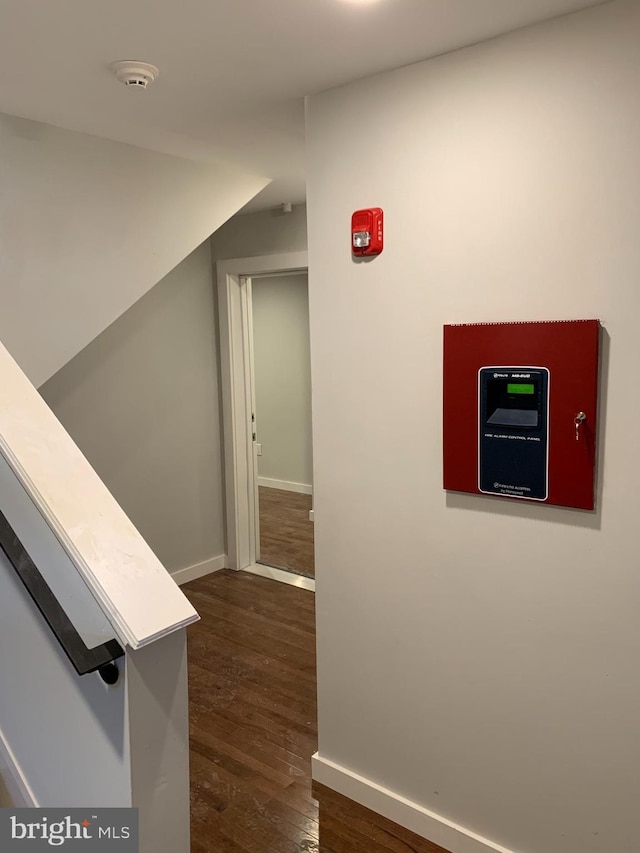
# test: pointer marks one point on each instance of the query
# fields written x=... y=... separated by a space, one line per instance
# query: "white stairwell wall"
x=142 y=403
x=171 y=486
x=69 y=740
x=87 y=226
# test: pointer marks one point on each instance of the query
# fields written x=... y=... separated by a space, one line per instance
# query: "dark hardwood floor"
x=286 y=534
x=252 y=692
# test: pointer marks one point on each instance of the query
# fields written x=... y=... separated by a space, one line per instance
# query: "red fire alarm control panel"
x=367 y=236
x=520 y=410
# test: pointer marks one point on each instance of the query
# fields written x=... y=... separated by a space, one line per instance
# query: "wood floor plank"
x=253 y=623
x=301 y=741
x=287 y=711
x=254 y=730
x=284 y=614
x=228 y=655
x=286 y=534
x=271 y=744
x=286 y=681
x=249 y=635
x=351 y=820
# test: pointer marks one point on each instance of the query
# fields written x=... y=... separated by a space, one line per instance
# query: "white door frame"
x=235 y=348
x=250 y=381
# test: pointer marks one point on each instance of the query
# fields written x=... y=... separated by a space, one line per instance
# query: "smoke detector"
x=134 y=74
x=283 y=209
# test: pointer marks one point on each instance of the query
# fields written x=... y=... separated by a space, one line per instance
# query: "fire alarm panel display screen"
x=513 y=425
x=511 y=403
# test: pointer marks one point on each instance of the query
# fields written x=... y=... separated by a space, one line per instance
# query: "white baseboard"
x=15 y=791
x=199 y=570
x=286 y=486
x=429 y=825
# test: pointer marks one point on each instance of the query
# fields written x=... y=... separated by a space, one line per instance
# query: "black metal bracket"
x=84 y=660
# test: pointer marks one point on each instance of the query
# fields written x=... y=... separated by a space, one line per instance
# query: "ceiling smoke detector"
x=134 y=74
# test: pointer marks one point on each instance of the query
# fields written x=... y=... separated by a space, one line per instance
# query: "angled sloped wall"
x=87 y=226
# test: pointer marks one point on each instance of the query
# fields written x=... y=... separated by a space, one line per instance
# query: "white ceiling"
x=233 y=73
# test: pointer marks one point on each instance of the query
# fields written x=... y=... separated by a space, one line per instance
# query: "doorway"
x=266 y=416
x=281 y=374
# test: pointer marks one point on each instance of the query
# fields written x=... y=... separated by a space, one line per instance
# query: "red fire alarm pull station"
x=520 y=410
x=367 y=232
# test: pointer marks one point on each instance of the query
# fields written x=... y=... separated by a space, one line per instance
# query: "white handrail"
x=136 y=593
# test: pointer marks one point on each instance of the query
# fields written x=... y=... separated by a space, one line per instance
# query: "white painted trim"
x=13 y=778
x=281 y=576
x=284 y=262
x=423 y=822
x=311 y=515
x=229 y=316
x=238 y=448
x=199 y=570
x=125 y=577
x=250 y=390
x=286 y=485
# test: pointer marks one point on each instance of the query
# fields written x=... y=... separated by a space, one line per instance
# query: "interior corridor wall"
x=266 y=232
x=283 y=380
x=142 y=401
x=478 y=657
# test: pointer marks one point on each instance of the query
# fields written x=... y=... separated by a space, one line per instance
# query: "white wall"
x=283 y=378
x=266 y=233
x=87 y=227
x=67 y=739
x=58 y=727
x=41 y=694
x=158 y=728
x=478 y=657
x=142 y=402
